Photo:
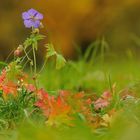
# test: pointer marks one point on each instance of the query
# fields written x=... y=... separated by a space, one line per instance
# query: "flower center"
x=33 y=18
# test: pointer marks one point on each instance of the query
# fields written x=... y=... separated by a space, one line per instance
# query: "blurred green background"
x=69 y=22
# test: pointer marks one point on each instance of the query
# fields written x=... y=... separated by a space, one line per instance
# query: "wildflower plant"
x=32 y=19
x=21 y=98
x=17 y=89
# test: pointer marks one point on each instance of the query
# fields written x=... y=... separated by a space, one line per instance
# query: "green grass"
x=78 y=76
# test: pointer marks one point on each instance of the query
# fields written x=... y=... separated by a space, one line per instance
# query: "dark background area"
x=74 y=21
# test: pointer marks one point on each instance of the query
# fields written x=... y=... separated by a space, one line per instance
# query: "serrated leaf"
x=32 y=40
x=27 y=42
x=50 y=51
x=60 y=61
x=39 y=37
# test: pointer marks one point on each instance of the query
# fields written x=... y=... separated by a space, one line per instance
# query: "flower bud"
x=17 y=52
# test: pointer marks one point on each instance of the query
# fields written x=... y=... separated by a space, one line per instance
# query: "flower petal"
x=39 y=16
x=28 y=23
x=25 y=15
x=36 y=23
x=32 y=12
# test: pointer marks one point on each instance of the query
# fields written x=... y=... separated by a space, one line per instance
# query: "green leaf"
x=3 y=63
x=32 y=40
x=60 y=61
x=39 y=37
x=50 y=51
x=27 y=42
x=81 y=116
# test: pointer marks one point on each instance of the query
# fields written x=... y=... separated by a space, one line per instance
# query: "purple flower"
x=32 y=18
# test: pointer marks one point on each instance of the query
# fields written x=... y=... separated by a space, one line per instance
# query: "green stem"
x=25 y=64
x=34 y=55
x=26 y=55
x=9 y=55
x=35 y=68
x=43 y=66
x=29 y=59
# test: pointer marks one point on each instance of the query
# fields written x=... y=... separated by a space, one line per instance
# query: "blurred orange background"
x=68 y=22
